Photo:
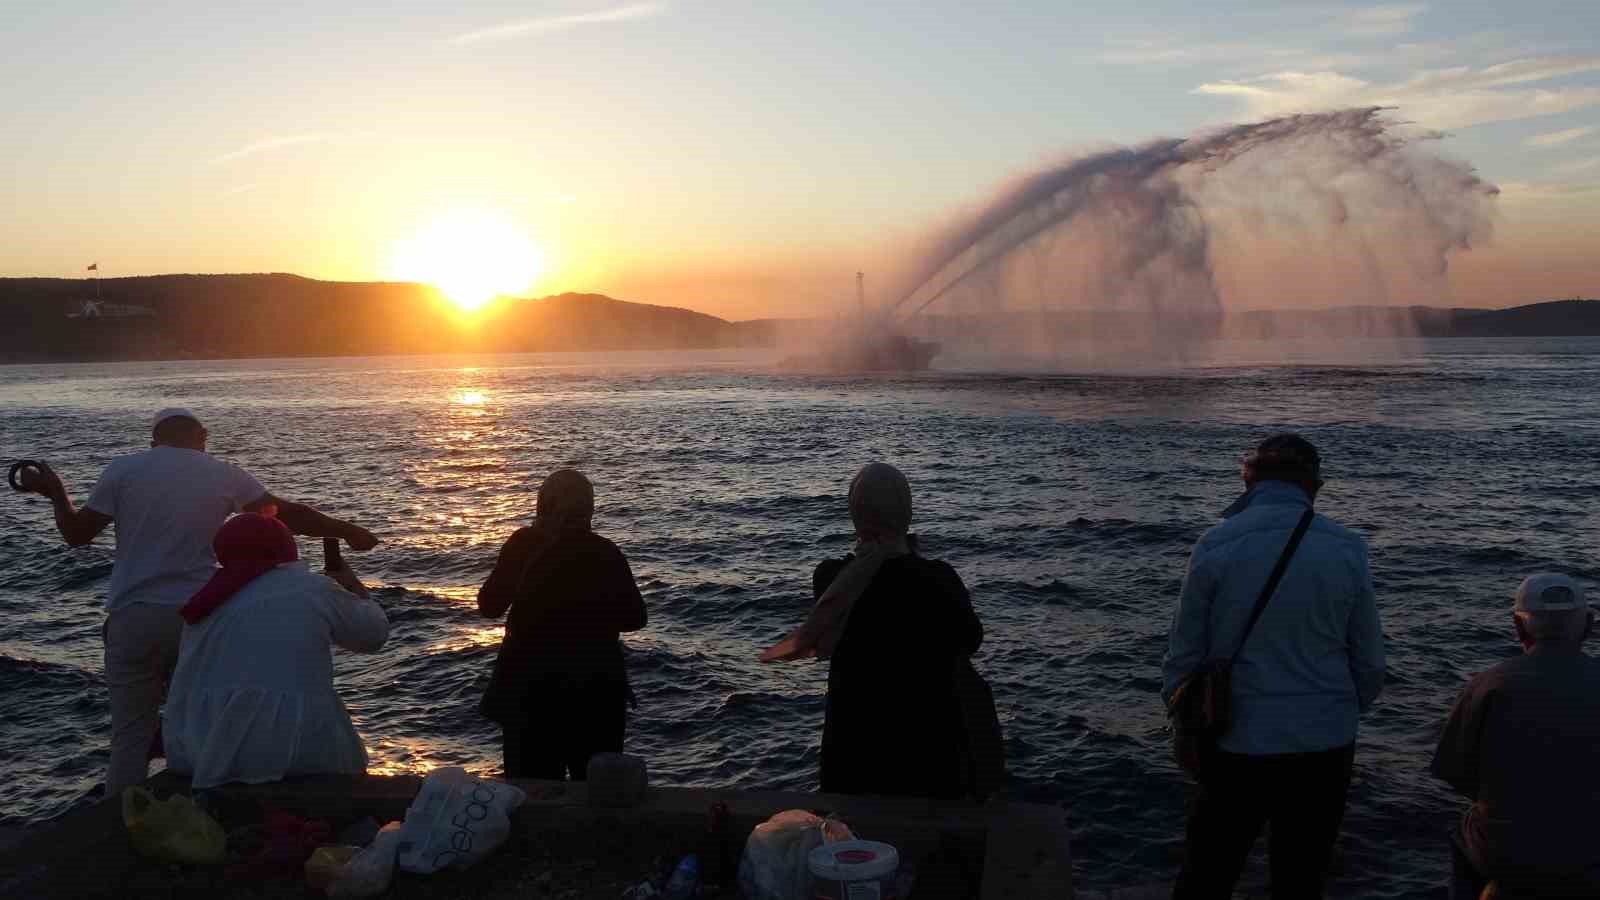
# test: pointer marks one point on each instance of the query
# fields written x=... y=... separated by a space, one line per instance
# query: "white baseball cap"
x=174 y=412
x=1548 y=592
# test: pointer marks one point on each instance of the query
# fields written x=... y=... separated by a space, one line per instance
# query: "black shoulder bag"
x=1201 y=708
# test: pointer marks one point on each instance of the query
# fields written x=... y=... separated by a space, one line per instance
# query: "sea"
x=1067 y=501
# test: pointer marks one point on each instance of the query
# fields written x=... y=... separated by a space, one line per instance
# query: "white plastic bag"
x=774 y=865
x=369 y=872
x=455 y=821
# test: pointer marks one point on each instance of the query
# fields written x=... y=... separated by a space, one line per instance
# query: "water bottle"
x=685 y=878
x=716 y=869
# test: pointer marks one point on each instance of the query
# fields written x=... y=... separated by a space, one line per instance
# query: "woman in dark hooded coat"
x=898 y=629
x=559 y=690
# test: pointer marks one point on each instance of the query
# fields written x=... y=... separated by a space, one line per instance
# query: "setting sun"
x=471 y=257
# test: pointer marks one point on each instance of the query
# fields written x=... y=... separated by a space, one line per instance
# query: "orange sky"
x=743 y=160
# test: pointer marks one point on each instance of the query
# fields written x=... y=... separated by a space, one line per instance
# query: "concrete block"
x=1029 y=854
x=617 y=780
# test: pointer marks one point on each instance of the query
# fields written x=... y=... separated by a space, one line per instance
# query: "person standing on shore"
x=898 y=630
x=1521 y=743
x=559 y=689
x=1313 y=663
x=167 y=503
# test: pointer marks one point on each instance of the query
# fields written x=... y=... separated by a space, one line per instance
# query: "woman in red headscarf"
x=559 y=690
x=252 y=699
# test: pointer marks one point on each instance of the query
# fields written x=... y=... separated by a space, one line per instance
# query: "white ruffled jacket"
x=252 y=699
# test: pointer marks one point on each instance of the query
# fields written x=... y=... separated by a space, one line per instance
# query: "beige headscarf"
x=880 y=507
x=566 y=502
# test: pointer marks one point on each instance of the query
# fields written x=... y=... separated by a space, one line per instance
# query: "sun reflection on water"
x=467 y=639
x=407 y=756
x=459 y=594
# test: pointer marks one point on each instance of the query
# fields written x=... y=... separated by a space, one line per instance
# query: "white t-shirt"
x=167 y=503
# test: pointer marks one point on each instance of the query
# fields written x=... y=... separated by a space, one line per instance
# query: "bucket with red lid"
x=854 y=870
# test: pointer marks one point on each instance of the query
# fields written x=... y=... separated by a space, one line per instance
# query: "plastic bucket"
x=854 y=870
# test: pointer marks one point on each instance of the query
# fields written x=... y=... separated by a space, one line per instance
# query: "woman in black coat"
x=898 y=628
x=559 y=690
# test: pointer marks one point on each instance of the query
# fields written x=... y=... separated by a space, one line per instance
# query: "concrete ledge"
x=1003 y=850
x=1029 y=852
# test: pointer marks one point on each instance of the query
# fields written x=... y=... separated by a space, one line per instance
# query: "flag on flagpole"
x=93 y=267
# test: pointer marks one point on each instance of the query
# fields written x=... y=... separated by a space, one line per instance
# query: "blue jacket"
x=1315 y=659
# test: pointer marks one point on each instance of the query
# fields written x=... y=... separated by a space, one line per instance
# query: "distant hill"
x=1557 y=317
x=596 y=322
x=223 y=316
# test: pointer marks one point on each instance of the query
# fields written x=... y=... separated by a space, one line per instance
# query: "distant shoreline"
x=6 y=360
x=170 y=318
x=10 y=360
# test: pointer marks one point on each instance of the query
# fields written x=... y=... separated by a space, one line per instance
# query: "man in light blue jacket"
x=1310 y=667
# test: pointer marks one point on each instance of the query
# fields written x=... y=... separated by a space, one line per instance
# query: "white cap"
x=1548 y=592
x=173 y=412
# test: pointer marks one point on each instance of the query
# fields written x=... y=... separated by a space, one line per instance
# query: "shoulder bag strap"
x=1274 y=578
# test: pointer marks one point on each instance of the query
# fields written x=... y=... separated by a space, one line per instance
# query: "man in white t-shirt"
x=168 y=503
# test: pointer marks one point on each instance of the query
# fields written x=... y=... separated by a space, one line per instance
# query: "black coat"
x=566 y=612
x=894 y=725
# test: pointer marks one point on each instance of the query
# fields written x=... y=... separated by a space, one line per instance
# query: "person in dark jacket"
x=1517 y=744
x=896 y=626
x=559 y=690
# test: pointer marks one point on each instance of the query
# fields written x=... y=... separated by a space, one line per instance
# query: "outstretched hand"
x=40 y=480
x=360 y=539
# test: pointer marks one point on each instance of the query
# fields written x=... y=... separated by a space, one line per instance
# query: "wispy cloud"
x=1526 y=191
x=276 y=143
x=1239 y=55
x=1524 y=71
x=1314 y=39
x=1334 y=19
x=1442 y=98
x=1577 y=166
x=1380 y=21
x=1557 y=138
x=548 y=24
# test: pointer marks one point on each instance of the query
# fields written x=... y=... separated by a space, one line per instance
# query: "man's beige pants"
x=141 y=652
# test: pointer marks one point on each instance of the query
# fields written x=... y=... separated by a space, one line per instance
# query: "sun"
x=470 y=256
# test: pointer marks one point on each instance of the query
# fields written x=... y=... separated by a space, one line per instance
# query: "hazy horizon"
x=1509 y=303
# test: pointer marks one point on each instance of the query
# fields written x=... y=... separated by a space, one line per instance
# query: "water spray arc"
x=1165 y=230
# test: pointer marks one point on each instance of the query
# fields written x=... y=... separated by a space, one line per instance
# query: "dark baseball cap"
x=1285 y=457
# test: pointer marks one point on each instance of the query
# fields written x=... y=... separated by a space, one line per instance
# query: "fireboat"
x=873 y=346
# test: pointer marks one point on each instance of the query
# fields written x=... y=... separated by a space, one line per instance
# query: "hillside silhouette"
x=1556 y=318
x=242 y=316
x=227 y=316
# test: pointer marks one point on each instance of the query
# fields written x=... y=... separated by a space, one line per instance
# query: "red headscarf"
x=248 y=546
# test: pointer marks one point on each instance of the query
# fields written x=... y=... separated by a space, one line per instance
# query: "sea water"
x=1067 y=502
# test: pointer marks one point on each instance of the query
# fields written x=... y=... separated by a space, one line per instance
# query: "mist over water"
x=1144 y=252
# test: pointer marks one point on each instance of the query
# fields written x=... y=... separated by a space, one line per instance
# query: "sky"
x=744 y=159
